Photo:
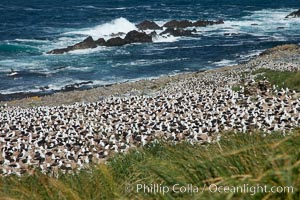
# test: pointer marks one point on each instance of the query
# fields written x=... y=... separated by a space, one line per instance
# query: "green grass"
x=272 y=160
x=236 y=88
x=284 y=79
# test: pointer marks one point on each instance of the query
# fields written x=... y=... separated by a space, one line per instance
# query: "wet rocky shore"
x=173 y=27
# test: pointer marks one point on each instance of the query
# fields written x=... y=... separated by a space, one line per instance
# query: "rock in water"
x=178 y=32
x=119 y=34
x=85 y=44
x=202 y=23
x=137 y=37
x=186 y=23
x=153 y=34
x=100 y=42
x=178 y=24
x=148 y=25
x=174 y=27
x=294 y=14
x=113 y=42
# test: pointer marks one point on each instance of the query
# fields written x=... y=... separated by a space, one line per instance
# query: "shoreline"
x=143 y=86
x=127 y=87
x=66 y=131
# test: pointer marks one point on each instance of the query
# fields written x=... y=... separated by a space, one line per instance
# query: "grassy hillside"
x=280 y=79
x=238 y=160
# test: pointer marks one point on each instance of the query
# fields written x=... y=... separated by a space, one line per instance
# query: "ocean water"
x=28 y=29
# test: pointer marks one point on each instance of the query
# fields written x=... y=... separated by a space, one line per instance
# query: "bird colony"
x=197 y=110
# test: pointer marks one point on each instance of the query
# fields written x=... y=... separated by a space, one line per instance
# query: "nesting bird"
x=196 y=110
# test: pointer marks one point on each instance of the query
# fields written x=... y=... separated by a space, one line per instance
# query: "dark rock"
x=137 y=37
x=44 y=88
x=220 y=21
x=174 y=28
x=186 y=23
x=59 y=51
x=294 y=14
x=178 y=24
x=202 y=23
x=85 y=44
x=153 y=34
x=100 y=42
x=177 y=32
x=280 y=27
x=145 y=25
x=75 y=86
x=230 y=34
x=115 y=42
x=117 y=34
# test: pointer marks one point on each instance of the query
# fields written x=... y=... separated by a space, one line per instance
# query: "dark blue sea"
x=28 y=29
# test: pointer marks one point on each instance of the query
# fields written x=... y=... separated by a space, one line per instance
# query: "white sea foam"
x=19 y=89
x=161 y=23
x=17 y=64
x=251 y=54
x=61 y=83
x=105 y=30
x=143 y=62
x=258 y=23
x=72 y=68
x=88 y=51
x=32 y=40
x=225 y=62
x=161 y=39
x=89 y=7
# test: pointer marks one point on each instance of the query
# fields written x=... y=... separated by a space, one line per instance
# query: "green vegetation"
x=250 y=159
x=284 y=79
x=236 y=88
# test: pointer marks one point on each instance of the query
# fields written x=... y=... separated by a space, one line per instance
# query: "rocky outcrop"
x=100 y=42
x=178 y=32
x=75 y=86
x=137 y=37
x=203 y=23
x=131 y=37
x=294 y=14
x=174 y=27
x=119 y=34
x=88 y=43
x=178 y=24
x=148 y=25
x=58 y=51
x=113 y=42
x=85 y=44
x=186 y=23
x=153 y=34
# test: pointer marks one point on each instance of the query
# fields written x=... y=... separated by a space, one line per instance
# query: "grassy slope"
x=284 y=80
x=239 y=159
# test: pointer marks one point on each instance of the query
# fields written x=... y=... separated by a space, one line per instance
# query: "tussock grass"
x=283 y=80
x=272 y=160
x=236 y=88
